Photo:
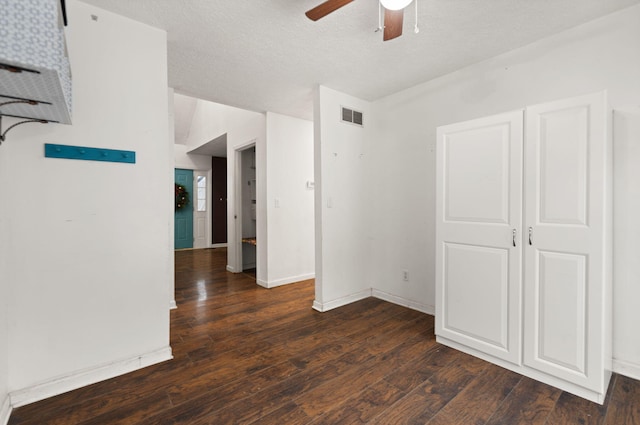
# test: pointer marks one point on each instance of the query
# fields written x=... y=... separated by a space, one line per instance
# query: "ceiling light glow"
x=395 y=4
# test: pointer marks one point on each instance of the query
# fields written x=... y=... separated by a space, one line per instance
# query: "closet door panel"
x=477 y=179
x=477 y=293
x=563 y=153
x=560 y=298
x=565 y=158
x=478 y=207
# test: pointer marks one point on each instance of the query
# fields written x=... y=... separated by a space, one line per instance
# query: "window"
x=202 y=193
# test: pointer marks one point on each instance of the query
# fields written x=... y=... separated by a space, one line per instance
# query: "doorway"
x=246 y=208
x=218 y=201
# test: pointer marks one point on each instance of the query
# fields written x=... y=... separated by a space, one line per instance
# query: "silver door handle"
x=530 y=235
x=514 y=237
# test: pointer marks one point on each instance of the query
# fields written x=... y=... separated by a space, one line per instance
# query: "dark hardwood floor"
x=244 y=354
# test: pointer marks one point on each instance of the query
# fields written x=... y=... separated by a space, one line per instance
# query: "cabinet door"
x=565 y=207
x=478 y=255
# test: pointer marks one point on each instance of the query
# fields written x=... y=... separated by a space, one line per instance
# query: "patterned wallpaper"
x=32 y=36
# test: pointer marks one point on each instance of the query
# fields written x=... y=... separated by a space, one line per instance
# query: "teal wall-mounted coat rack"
x=88 y=154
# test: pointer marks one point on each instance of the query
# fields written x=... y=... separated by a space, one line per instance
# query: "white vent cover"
x=351 y=116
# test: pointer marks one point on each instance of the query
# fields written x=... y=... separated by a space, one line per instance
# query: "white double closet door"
x=522 y=234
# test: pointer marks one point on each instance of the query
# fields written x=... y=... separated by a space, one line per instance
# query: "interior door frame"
x=234 y=220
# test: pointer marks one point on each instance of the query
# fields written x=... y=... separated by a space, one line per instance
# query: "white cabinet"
x=523 y=229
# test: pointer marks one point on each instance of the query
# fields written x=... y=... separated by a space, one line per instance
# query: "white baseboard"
x=424 y=308
x=385 y=296
x=632 y=370
x=330 y=305
x=285 y=281
x=173 y=305
x=87 y=377
x=5 y=411
x=231 y=269
x=572 y=388
x=218 y=245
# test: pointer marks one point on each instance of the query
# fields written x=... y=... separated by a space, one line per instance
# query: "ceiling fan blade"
x=392 y=24
x=325 y=8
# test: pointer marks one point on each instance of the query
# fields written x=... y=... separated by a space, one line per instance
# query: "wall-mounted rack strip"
x=88 y=154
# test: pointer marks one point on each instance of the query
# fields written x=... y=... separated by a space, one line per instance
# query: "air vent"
x=351 y=116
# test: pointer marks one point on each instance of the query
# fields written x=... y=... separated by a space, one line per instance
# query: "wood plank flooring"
x=248 y=355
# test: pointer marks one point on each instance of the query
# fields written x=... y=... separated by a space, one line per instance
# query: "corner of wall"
x=341 y=301
x=342 y=230
x=405 y=302
x=289 y=199
x=5 y=410
x=632 y=370
x=5 y=406
x=626 y=209
x=317 y=197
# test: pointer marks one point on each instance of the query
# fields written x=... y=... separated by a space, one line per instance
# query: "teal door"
x=184 y=216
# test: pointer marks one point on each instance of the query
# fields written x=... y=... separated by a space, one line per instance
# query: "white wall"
x=603 y=54
x=290 y=244
x=87 y=243
x=190 y=161
x=252 y=132
x=626 y=195
x=211 y=120
x=5 y=193
x=342 y=237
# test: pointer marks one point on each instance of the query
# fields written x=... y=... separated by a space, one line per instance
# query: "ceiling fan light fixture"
x=395 y=4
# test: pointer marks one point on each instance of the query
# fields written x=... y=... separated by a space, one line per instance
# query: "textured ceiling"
x=265 y=55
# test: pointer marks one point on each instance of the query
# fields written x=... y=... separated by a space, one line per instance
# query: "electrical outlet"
x=405 y=275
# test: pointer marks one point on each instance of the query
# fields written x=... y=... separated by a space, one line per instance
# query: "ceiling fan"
x=393 y=14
